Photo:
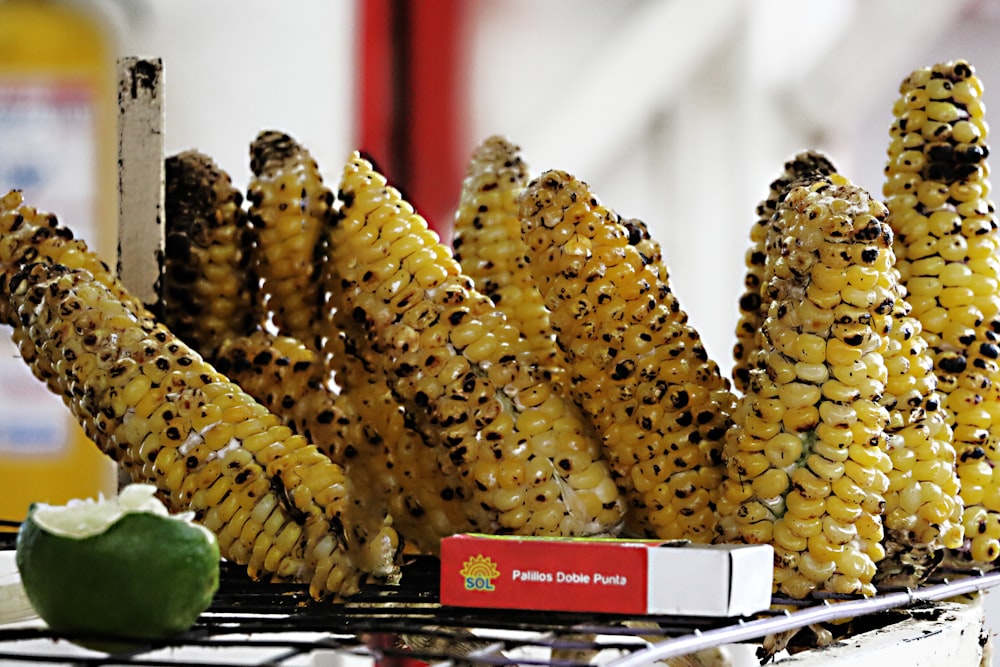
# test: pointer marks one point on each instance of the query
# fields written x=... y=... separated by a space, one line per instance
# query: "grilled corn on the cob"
x=29 y=235
x=287 y=376
x=937 y=192
x=488 y=245
x=276 y=503
x=402 y=471
x=802 y=167
x=290 y=380
x=633 y=363
x=362 y=429
x=806 y=467
x=210 y=293
x=289 y=210
x=455 y=363
x=923 y=507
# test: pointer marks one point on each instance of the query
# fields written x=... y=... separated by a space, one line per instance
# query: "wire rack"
x=255 y=623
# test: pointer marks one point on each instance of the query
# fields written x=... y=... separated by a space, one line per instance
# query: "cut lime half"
x=109 y=573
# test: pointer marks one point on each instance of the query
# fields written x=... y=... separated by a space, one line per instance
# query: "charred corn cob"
x=457 y=366
x=426 y=504
x=633 y=362
x=276 y=503
x=488 y=245
x=209 y=293
x=290 y=380
x=937 y=191
x=923 y=507
x=363 y=430
x=803 y=167
x=289 y=208
x=806 y=467
x=29 y=235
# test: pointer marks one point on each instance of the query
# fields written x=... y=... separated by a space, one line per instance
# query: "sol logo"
x=479 y=573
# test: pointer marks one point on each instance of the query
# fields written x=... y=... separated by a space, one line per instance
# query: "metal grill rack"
x=256 y=623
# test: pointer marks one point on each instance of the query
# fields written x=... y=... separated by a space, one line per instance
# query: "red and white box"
x=615 y=576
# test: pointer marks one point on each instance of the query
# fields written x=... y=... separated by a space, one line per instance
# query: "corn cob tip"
x=11 y=200
x=536 y=207
x=209 y=291
x=197 y=175
x=271 y=148
x=290 y=208
x=496 y=150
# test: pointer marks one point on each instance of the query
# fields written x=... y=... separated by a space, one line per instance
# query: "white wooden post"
x=140 y=177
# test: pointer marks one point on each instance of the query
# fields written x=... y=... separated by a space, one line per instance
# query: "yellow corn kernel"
x=783 y=449
x=802 y=506
x=785 y=538
x=804 y=527
x=771 y=484
x=843 y=510
x=801 y=419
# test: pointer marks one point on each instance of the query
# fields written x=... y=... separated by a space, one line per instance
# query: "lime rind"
x=85 y=517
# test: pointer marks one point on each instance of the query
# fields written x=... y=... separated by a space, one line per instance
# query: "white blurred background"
x=675 y=111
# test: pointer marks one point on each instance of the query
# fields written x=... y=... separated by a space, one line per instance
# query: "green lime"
x=116 y=569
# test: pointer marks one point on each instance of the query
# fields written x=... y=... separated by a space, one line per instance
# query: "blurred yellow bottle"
x=57 y=143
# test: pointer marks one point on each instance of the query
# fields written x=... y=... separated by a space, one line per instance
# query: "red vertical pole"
x=410 y=116
x=374 y=79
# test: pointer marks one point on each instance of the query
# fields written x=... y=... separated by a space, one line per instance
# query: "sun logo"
x=479 y=573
